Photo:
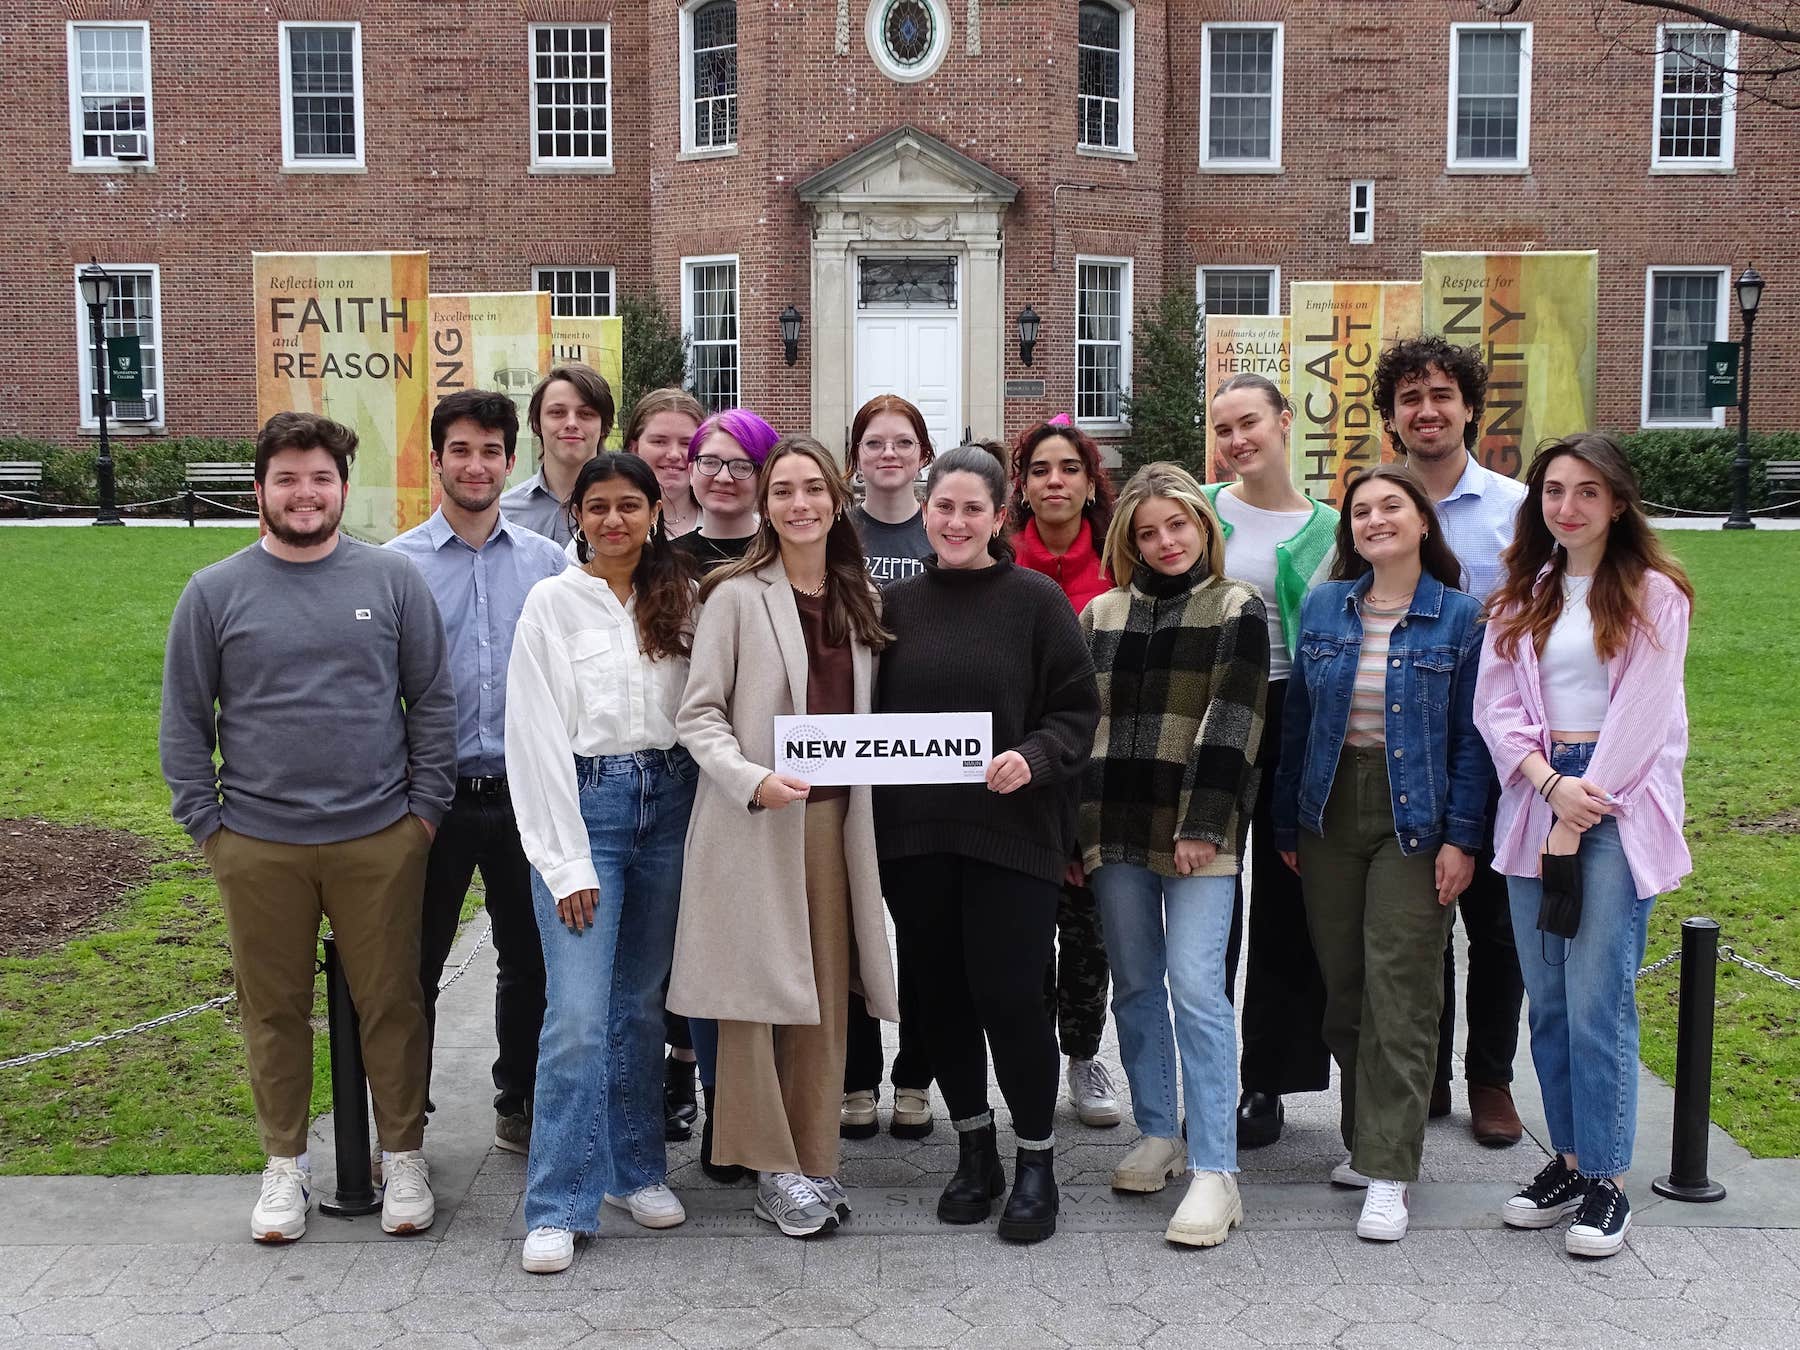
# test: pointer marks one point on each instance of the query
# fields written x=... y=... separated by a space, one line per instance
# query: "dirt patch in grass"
x=57 y=880
x=1782 y=822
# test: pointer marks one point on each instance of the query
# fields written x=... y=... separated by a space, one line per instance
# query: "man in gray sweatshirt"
x=315 y=667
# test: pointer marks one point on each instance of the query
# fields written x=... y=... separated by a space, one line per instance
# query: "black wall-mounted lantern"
x=790 y=334
x=1028 y=333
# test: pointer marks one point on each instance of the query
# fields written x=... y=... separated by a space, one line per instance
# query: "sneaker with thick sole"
x=1599 y=1229
x=512 y=1132
x=653 y=1206
x=788 y=1200
x=911 y=1118
x=1384 y=1212
x=407 y=1205
x=1554 y=1193
x=1208 y=1213
x=1150 y=1164
x=548 y=1250
x=856 y=1119
x=1346 y=1175
x=280 y=1212
x=832 y=1192
x=1091 y=1092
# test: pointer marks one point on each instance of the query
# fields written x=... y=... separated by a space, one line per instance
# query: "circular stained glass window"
x=907 y=29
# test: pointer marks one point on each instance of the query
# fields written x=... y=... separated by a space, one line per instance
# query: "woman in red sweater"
x=1062 y=503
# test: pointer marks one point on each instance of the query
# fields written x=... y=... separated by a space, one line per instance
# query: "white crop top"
x=1570 y=672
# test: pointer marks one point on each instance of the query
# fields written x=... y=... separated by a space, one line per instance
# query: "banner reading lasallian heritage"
x=1535 y=317
x=1337 y=331
x=1239 y=344
x=497 y=340
x=346 y=335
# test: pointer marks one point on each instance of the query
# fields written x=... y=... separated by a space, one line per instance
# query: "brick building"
x=909 y=174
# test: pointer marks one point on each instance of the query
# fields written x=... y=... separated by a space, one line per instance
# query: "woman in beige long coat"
x=781 y=908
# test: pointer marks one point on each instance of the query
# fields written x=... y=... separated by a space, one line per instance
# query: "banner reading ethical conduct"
x=1240 y=344
x=1535 y=317
x=599 y=343
x=346 y=335
x=493 y=340
x=1338 y=331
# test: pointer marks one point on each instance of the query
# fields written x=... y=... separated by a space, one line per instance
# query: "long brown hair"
x=1099 y=511
x=1435 y=554
x=850 y=604
x=663 y=580
x=1520 y=605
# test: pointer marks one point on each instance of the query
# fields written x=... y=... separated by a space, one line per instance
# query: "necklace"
x=812 y=592
x=1373 y=599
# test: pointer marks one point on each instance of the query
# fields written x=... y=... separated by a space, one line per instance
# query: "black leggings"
x=977 y=939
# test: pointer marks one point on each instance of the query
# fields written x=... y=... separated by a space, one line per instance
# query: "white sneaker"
x=280 y=1213
x=1209 y=1213
x=1091 y=1091
x=1150 y=1164
x=1384 y=1212
x=548 y=1250
x=406 y=1202
x=652 y=1206
x=1346 y=1175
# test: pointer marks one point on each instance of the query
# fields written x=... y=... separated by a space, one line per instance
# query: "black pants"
x=1284 y=994
x=1076 y=983
x=862 y=1042
x=1495 y=988
x=978 y=938
x=480 y=832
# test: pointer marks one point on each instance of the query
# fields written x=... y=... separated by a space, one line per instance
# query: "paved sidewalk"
x=163 y=1262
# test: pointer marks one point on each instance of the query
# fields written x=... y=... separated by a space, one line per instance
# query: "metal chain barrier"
x=1726 y=953
x=1720 y=515
x=1661 y=965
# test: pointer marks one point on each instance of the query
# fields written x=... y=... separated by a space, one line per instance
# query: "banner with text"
x=1241 y=344
x=599 y=343
x=497 y=340
x=856 y=748
x=346 y=335
x=1535 y=317
x=1338 y=331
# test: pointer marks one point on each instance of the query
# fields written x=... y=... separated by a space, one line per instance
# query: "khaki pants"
x=371 y=890
x=780 y=1088
x=1379 y=933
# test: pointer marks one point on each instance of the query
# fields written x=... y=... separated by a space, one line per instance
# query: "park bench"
x=23 y=478
x=217 y=479
x=1784 y=481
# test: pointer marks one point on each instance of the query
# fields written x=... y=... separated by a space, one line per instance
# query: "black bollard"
x=349 y=1089
x=1687 y=1179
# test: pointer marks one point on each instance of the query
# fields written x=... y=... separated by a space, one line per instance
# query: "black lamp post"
x=96 y=290
x=1028 y=333
x=1749 y=292
x=790 y=334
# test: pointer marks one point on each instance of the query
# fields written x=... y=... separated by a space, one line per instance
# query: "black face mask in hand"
x=1559 y=911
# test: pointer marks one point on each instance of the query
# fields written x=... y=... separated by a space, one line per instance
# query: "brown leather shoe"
x=1492 y=1119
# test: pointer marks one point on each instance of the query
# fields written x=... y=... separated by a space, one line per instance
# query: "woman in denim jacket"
x=1378 y=807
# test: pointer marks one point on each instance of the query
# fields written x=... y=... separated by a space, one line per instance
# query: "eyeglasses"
x=904 y=445
x=739 y=469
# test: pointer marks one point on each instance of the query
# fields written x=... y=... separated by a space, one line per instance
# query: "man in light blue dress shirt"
x=479 y=566
x=1430 y=394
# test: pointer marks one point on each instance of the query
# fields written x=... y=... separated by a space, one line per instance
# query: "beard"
x=467 y=498
x=276 y=523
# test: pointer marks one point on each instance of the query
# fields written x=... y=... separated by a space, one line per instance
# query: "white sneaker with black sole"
x=1554 y=1193
x=1384 y=1212
x=280 y=1212
x=788 y=1200
x=1600 y=1228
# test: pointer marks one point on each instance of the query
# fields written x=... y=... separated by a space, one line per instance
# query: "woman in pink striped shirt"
x=1580 y=700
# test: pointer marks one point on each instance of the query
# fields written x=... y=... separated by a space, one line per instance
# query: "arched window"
x=1104 y=50
x=710 y=75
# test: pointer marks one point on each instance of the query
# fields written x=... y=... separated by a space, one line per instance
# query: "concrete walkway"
x=164 y=1262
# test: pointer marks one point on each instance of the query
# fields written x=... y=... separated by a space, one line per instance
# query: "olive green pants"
x=1379 y=933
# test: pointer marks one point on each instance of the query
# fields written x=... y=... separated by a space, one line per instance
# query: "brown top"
x=830 y=675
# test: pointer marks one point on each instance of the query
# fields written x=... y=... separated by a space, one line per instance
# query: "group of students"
x=1180 y=681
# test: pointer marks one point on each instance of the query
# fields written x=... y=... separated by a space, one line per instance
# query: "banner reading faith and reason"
x=1240 y=344
x=1337 y=331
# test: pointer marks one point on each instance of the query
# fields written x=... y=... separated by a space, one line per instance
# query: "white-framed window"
x=709 y=77
x=135 y=310
x=1684 y=309
x=321 y=96
x=1696 y=98
x=1102 y=339
x=1362 y=211
x=709 y=317
x=1490 y=97
x=579 y=292
x=109 y=94
x=1106 y=53
x=1238 y=290
x=1240 y=97
x=571 y=95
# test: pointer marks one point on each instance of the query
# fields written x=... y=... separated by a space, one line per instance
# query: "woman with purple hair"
x=725 y=454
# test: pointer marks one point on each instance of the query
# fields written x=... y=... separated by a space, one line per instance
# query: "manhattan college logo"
x=801 y=735
x=1720 y=367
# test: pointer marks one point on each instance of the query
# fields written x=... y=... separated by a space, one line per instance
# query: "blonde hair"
x=1120 y=555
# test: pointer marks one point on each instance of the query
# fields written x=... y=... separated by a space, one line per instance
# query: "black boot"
x=1259 y=1118
x=979 y=1178
x=1030 y=1214
x=730 y=1172
x=679 y=1109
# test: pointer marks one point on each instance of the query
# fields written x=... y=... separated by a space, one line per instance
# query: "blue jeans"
x=598 y=1119
x=1583 y=992
x=1174 y=926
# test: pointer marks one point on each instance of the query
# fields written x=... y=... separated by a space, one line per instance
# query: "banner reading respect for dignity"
x=1338 y=331
x=1239 y=344
x=345 y=335
x=496 y=340
x=599 y=343
x=1535 y=318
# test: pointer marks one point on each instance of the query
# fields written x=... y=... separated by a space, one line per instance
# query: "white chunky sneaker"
x=652 y=1206
x=1150 y=1164
x=1091 y=1090
x=280 y=1213
x=1210 y=1211
x=788 y=1200
x=1384 y=1212
x=548 y=1250
x=406 y=1202
x=1346 y=1175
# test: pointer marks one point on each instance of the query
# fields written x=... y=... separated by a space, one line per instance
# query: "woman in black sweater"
x=972 y=872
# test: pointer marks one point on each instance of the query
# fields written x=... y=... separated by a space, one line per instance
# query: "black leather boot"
x=730 y=1172
x=979 y=1179
x=1030 y=1214
x=1259 y=1119
x=679 y=1108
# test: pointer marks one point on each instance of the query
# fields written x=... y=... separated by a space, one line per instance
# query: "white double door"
x=917 y=354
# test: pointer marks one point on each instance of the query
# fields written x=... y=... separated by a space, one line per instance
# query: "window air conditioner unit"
x=134 y=410
x=131 y=147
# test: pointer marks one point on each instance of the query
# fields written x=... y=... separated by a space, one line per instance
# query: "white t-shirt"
x=1571 y=674
x=1250 y=557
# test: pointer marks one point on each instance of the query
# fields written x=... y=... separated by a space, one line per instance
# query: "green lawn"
x=87 y=612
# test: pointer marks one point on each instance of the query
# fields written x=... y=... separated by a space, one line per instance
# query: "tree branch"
x=1716 y=17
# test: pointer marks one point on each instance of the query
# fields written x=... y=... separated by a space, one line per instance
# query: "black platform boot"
x=1030 y=1214
x=730 y=1172
x=679 y=1108
x=979 y=1180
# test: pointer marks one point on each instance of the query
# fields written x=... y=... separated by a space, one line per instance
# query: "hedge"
x=144 y=469
x=1691 y=469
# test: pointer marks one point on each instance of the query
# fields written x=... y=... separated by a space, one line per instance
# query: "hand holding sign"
x=848 y=749
x=777 y=790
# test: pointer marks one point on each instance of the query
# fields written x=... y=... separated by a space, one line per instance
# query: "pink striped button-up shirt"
x=1639 y=757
